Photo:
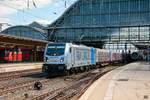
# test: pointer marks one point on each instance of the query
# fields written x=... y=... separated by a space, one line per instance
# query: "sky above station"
x=22 y=12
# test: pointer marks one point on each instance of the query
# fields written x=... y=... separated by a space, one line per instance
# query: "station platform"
x=130 y=82
x=19 y=66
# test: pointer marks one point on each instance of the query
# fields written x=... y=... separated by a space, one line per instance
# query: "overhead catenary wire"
x=33 y=2
x=23 y=11
x=28 y=4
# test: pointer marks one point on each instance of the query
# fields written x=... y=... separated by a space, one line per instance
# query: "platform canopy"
x=20 y=41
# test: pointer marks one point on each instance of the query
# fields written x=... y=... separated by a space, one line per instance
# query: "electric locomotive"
x=62 y=58
x=67 y=57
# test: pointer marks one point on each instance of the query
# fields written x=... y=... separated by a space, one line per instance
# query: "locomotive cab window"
x=55 y=49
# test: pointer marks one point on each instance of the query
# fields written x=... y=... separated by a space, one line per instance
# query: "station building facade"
x=115 y=24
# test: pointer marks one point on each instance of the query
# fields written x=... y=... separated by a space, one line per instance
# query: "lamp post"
x=148 y=58
x=125 y=46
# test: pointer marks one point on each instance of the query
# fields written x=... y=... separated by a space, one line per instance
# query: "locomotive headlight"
x=45 y=59
x=62 y=60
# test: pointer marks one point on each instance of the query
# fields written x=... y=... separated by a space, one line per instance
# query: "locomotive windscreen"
x=55 y=49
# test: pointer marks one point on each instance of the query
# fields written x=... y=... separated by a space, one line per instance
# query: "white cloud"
x=8 y=7
x=5 y=22
x=45 y=22
x=44 y=2
x=6 y=11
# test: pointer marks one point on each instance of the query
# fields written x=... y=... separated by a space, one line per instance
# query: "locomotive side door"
x=72 y=56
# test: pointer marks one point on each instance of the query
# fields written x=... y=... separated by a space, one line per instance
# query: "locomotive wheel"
x=82 y=69
x=87 y=68
x=94 y=67
x=79 y=69
x=68 y=72
x=71 y=71
x=90 y=67
x=76 y=70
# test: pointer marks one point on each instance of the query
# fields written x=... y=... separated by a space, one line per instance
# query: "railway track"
x=59 y=88
x=18 y=74
x=20 y=86
x=73 y=91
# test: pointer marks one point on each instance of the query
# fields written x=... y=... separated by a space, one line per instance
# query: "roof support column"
x=35 y=53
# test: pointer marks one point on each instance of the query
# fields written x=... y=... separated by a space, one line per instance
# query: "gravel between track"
x=51 y=85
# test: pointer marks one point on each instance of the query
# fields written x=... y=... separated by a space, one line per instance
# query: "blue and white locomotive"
x=67 y=57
